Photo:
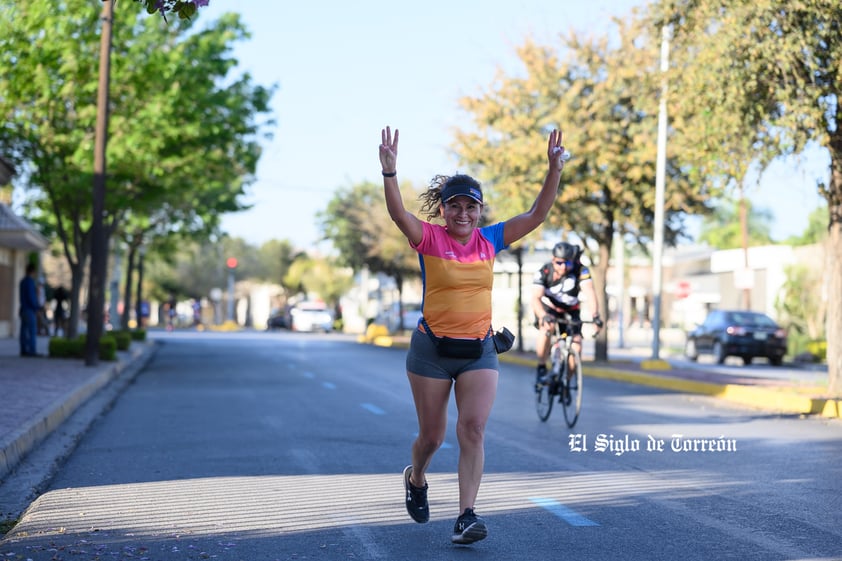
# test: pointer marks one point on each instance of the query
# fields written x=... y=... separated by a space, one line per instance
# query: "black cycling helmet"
x=566 y=251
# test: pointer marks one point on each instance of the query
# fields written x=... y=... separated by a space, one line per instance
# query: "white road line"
x=567 y=514
x=372 y=408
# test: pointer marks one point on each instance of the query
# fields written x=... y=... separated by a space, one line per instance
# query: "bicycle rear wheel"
x=571 y=395
x=544 y=398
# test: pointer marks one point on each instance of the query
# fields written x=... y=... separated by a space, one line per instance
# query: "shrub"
x=138 y=335
x=75 y=348
x=123 y=339
x=818 y=349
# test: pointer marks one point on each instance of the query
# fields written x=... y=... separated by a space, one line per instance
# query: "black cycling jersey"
x=564 y=291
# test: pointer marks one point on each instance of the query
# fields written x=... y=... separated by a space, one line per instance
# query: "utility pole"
x=140 y=309
x=231 y=263
x=99 y=243
x=744 y=238
x=660 y=172
x=620 y=262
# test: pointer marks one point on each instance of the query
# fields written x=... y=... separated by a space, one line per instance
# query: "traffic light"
x=231 y=262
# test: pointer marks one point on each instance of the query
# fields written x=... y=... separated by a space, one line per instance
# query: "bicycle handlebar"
x=567 y=320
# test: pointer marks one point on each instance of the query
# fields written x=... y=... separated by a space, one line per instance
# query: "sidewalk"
x=40 y=393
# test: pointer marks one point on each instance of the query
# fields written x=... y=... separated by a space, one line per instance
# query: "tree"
x=723 y=230
x=318 y=277
x=816 y=230
x=604 y=97
x=801 y=305
x=275 y=259
x=777 y=65
x=176 y=181
x=364 y=236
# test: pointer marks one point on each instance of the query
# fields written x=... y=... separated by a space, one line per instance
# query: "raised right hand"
x=388 y=150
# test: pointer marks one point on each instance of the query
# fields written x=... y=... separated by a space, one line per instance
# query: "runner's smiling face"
x=461 y=215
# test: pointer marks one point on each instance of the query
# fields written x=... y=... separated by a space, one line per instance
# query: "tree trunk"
x=600 y=274
x=77 y=278
x=399 y=284
x=834 y=307
x=833 y=262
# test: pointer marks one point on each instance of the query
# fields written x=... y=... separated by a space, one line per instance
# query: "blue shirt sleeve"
x=494 y=234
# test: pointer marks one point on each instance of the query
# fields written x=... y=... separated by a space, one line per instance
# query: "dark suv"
x=739 y=333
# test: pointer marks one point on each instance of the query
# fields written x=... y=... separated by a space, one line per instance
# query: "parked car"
x=311 y=316
x=739 y=333
x=411 y=316
x=278 y=319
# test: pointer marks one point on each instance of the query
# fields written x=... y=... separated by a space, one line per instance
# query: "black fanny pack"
x=454 y=348
x=468 y=348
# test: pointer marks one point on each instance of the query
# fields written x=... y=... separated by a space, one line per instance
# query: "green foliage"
x=800 y=305
x=816 y=230
x=604 y=98
x=184 y=132
x=138 y=334
x=318 y=277
x=766 y=74
x=123 y=338
x=59 y=347
x=818 y=349
x=723 y=230
x=193 y=268
x=184 y=8
x=358 y=225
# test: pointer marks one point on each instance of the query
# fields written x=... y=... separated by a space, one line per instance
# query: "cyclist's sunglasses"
x=561 y=262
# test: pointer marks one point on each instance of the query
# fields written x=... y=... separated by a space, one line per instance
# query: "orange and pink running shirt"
x=457 y=280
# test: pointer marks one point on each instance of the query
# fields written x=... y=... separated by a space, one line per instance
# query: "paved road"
x=288 y=446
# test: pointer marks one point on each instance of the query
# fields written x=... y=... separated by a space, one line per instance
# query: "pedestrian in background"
x=41 y=315
x=452 y=346
x=60 y=313
x=29 y=307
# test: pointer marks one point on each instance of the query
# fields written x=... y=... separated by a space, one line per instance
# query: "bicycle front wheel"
x=571 y=397
x=544 y=398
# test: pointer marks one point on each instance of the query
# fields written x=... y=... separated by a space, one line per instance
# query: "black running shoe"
x=469 y=528
x=416 y=498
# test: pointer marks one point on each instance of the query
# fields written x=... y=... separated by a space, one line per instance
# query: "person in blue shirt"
x=29 y=306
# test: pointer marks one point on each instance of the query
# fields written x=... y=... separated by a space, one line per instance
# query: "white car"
x=311 y=316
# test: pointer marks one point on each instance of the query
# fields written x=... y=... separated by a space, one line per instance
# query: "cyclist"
x=555 y=292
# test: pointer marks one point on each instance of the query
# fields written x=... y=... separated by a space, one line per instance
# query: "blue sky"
x=346 y=69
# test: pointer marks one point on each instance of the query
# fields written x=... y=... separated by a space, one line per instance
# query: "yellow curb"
x=831 y=408
x=643 y=379
x=655 y=364
x=760 y=398
x=383 y=341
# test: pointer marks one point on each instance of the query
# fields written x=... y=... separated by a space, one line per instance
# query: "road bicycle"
x=560 y=380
